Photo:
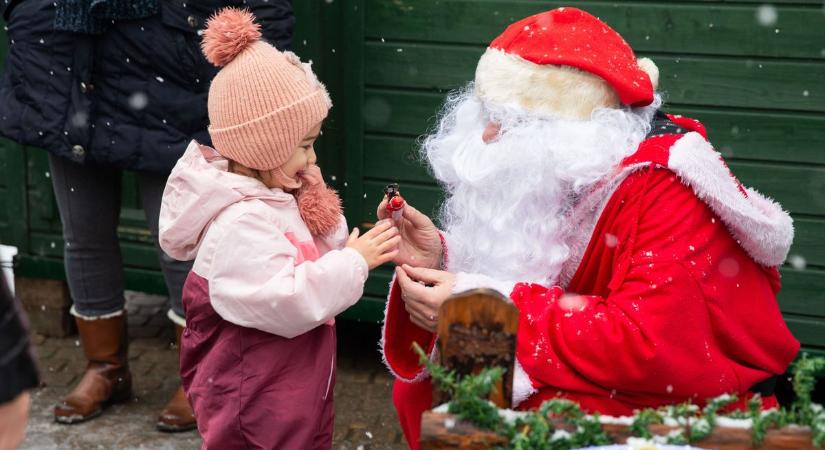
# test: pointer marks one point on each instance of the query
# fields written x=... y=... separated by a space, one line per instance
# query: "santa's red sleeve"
x=399 y=334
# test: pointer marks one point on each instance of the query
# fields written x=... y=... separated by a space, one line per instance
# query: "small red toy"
x=395 y=202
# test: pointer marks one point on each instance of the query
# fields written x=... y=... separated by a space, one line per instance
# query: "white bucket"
x=6 y=258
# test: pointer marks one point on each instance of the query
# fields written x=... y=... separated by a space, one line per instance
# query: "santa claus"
x=643 y=271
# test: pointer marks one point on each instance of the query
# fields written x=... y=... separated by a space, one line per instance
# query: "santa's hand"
x=420 y=244
x=423 y=291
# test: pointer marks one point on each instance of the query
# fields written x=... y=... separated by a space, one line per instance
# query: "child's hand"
x=378 y=245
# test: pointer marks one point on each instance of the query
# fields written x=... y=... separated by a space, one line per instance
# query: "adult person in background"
x=643 y=272
x=106 y=86
x=17 y=370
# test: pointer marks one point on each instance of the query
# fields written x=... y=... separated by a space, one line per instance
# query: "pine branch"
x=537 y=430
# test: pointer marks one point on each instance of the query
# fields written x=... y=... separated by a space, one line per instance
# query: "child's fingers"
x=353 y=236
x=390 y=244
x=384 y=258
x=387 y=234
x=380 y=227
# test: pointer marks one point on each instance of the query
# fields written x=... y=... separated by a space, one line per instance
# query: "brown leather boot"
x=177 y=415
x=107 y=379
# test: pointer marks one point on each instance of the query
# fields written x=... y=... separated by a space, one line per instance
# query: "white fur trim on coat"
x=465 y=281
x=760 y=225
x=522 y=386
x=763 y=229
x=555 y=90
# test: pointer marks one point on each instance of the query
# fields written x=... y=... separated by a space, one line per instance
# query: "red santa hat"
x=564 y=62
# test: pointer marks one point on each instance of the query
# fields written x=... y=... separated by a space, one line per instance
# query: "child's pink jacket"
x=264 y=268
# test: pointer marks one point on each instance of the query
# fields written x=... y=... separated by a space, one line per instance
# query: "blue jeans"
x=88 y=198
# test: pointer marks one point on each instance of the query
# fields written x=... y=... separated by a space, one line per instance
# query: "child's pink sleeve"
x=335 y=240
x=254 y=281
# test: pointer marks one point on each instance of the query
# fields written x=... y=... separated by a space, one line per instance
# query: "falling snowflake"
x=610 y=240
x=766 y=15
x=138 y=101
x=797 y=262
x=728 y=267
x=160 y=79
x=80 y=119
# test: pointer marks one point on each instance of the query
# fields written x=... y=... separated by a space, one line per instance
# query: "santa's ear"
x=649 y=67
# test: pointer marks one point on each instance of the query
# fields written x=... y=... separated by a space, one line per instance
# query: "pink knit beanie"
x=262 y=102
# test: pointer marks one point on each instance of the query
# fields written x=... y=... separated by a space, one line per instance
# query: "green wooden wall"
x=753 y=73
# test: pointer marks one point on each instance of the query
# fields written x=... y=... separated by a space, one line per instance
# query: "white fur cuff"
x=465 y=281
x=522 y=386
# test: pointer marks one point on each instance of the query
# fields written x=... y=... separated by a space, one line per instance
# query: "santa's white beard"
x=507 y=200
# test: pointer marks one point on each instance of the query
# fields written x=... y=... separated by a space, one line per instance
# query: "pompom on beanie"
x=262 y=102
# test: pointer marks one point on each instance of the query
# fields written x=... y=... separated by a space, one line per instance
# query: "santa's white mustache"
x=512 y=177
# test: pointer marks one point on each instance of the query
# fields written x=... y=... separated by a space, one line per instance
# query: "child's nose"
x=312 y=157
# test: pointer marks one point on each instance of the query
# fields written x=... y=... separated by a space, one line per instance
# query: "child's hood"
x=199 y=188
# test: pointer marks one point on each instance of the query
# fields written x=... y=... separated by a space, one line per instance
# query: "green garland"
x=535 y=431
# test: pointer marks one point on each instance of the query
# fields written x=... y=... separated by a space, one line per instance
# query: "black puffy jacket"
x=132 y=97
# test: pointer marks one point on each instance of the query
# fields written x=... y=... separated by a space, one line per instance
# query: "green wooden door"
x=753 y=73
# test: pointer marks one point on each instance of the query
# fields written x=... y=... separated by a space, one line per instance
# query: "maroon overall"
x=251 y=389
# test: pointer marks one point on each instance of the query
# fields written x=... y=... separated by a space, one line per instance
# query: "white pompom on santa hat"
x=565 y=63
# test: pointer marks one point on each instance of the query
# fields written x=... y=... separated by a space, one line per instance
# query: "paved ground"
x=365 y=418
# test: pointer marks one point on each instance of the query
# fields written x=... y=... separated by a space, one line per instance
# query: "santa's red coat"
x=670 y=297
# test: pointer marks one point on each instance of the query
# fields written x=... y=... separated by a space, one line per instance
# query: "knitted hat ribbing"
x=262 y=102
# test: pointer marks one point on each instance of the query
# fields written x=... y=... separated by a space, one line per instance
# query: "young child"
x=274 y=262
